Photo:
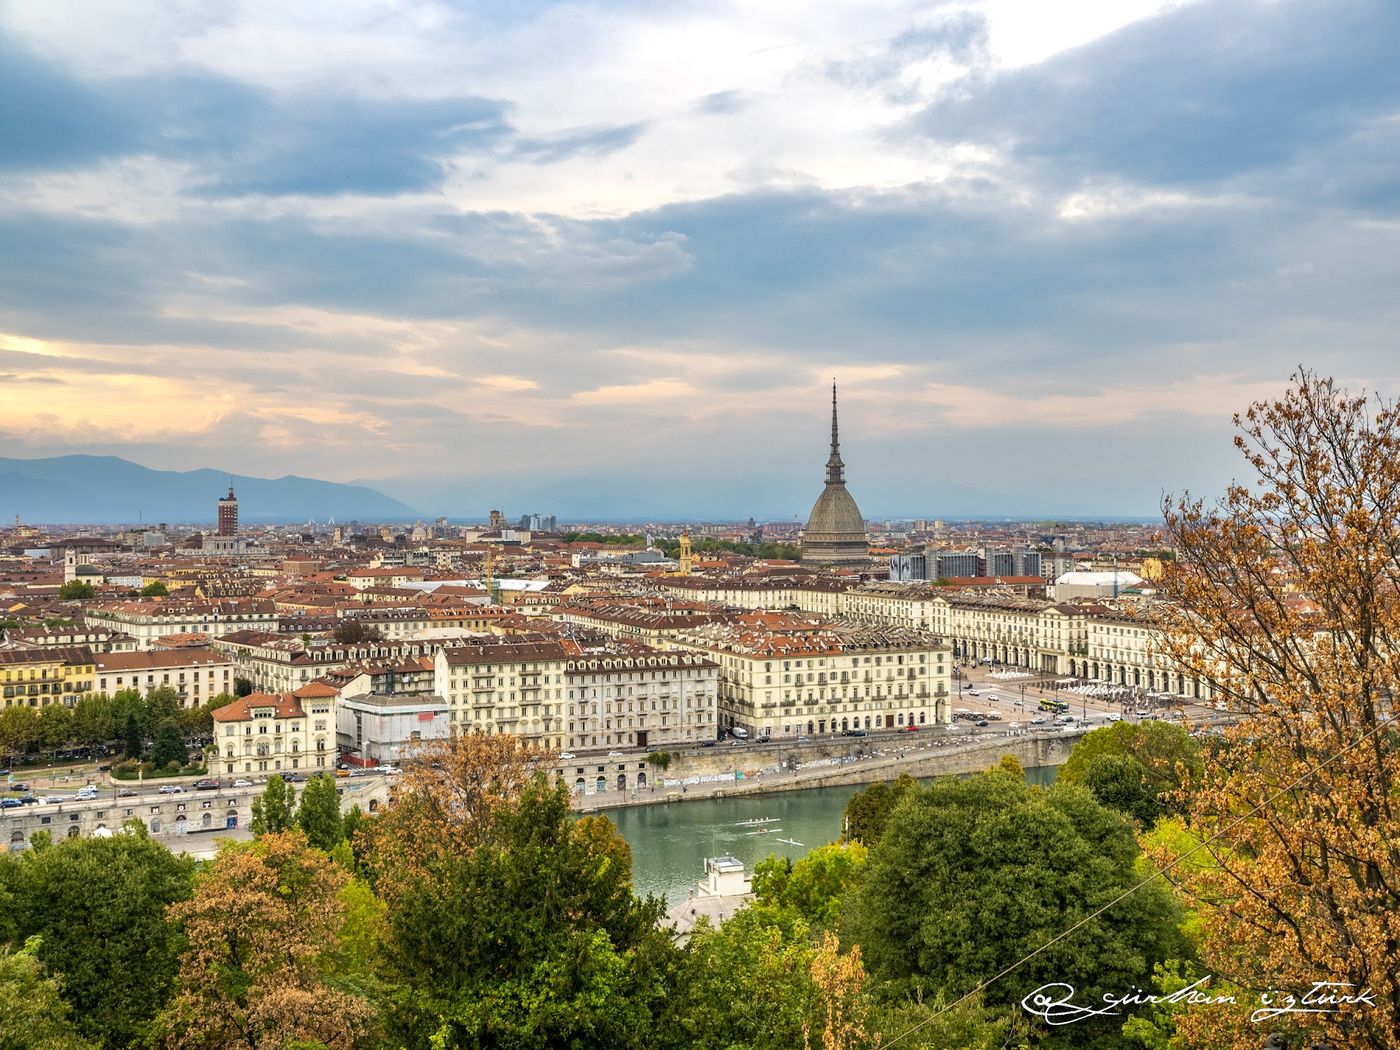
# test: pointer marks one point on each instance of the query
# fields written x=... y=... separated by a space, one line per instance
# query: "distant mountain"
x=107 y=489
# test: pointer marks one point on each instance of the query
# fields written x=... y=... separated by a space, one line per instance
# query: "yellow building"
x=39 y=677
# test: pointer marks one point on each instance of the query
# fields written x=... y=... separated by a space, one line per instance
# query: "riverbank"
x=859 y=765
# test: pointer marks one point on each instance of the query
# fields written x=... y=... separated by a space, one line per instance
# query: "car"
x=105 y=768
x=4 y=772
x=1038 y=720
x=566 y=756
x=386 y=768
x=56 y=798
x=10 y=803
x=86 y=793
x=708 y=743
x=28 y=800
x=342 y=772
x=171 y=789
x=911 y=728
x=1114 y=717
x=973 y=692
x=854 y=732
x=765 y=739
x=240 y=783
x=357 y=772
x=126 y=793
x=294 y=778
x=803 y=739
x=981 y=723
x=614 y=754
x=19 y=787
x=206 y=785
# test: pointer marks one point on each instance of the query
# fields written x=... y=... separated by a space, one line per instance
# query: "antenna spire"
x=835 y=469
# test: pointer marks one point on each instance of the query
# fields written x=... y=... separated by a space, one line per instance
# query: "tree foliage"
x=511 y=923
x=75 y=590
x=814 y=885
x=261 y=930
x=274 y=810
x=33 y=1013
x=169 y=745
x=1286 y=600
x=973 y=874
x=318 y=813
x=868 y=811
x=1165 y=758
x=155 y=589
x=355 y=632
x=97 y=907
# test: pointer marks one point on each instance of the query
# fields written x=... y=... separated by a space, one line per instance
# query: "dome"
x=835 y=533
x=835 y=514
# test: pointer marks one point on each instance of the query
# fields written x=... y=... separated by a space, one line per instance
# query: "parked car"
x=9 y=803
x=854 y=732
x=387 y=769
x=28 y=800
x=911 y=728
x=708 y=743
x=126 y=793
x=981 y=723
x=171 y=789
x=206 y=785
x=294 y=778
x=240 y=783
x=566 y=756
x=802 y=739
x=1038 y=720
x=614 y=754
x=105 y=768
x=342 y=772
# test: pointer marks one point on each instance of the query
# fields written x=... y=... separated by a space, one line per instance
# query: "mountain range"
x=108 y=489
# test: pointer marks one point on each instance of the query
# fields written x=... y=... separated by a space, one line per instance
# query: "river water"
x=670 y=840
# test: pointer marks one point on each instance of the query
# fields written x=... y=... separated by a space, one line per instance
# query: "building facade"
x=266 y=733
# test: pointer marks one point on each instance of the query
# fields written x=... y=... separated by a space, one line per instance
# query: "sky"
x=605 y=259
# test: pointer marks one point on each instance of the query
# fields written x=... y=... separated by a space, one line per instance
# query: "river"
x=670 y=840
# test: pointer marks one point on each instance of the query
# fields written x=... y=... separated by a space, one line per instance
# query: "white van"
x=740 y=733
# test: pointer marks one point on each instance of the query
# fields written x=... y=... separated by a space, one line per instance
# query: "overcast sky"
x=563 y=257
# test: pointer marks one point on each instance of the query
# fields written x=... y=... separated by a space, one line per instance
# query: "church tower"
x=835 y=533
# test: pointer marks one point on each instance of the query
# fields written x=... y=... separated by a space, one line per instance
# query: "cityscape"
x=710 y=526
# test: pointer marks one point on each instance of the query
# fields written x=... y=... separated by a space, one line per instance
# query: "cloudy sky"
x=578 y=257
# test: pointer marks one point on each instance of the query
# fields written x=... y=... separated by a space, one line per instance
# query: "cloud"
x=576 y=142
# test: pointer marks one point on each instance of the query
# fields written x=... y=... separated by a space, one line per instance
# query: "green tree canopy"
x=868 y=811
x=155 y=589
x=814 y=885
x=19 y=730
x=975 y=873
x=1169 y=757
x=98 y=907
x=75 y=590
x=33 y=1013
x=169 y=746
x=530 y=938
x=273 y=810
x=319 y=813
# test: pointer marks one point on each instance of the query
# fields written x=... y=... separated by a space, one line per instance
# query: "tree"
x=974 y=874
x=93 y=721
x=660 y=760
x=33 y=1013
x=1285 y=600
x=155 y=589
x=1121 y=782
x=75 y=590
x=1168 y=757
x=318 y=815
x=868 y=811
x=55 y=726
x=98 y=909
x=273 y=810
x=19 y=730
x=161 y=703
x=814 y=885
x=242 y=687
x=132 y=737
x=169 y=746
x=355 y=632
x=261 y=928
x=510 y=922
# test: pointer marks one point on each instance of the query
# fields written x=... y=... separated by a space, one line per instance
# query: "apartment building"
x=506 y=685
x=146 y=621
x=785 y=676
x=197 y=675
x=266 y=733
x=637 y=698
x=39 y=677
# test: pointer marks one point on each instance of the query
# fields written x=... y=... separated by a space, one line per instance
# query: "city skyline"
x=610 y=253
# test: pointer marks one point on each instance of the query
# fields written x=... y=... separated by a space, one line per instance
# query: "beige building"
x=638 y=699
x=505 y=685
x=274 y=733
x=783 y=677
x=197 y=675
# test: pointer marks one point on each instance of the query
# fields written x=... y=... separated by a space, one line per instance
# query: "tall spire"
x=835 y=469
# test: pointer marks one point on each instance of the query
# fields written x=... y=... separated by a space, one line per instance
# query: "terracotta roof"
x=286 y=705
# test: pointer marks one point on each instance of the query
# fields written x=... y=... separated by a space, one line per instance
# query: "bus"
x=1058 y=706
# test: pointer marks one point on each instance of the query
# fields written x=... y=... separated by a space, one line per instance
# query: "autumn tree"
x=1285 y=600
x=263 y=933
